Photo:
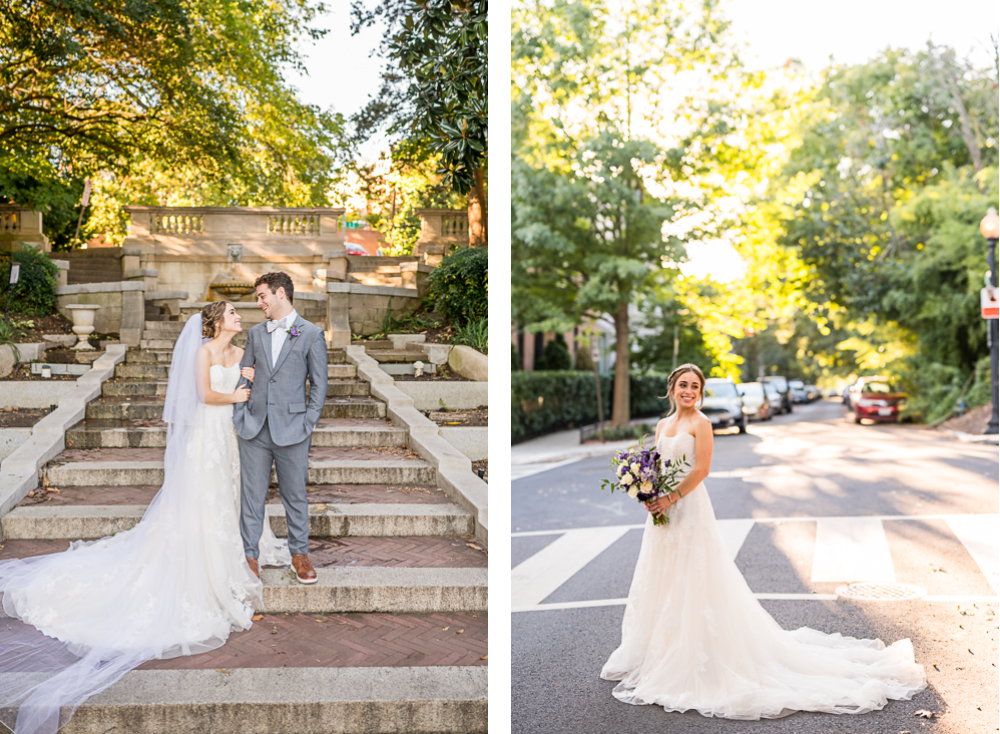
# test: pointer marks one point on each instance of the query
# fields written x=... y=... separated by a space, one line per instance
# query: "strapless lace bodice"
x=224 y=379
x=678 y=448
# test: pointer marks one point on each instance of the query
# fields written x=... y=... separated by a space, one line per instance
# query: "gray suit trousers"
x=292 y=466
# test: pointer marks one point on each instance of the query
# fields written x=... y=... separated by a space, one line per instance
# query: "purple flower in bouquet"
x=640 y=473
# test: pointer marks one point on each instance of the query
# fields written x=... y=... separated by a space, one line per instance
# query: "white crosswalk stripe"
x=846 y=549
x=852 y=549
x=979 y=535
x=554 y=565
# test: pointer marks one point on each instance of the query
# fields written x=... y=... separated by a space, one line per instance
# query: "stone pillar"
x=133 y=314
x=338 y=326
x=414 y=276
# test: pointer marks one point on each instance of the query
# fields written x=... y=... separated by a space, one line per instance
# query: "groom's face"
x=267 y=300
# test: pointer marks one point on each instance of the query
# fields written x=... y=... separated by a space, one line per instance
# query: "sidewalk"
x=562 y=446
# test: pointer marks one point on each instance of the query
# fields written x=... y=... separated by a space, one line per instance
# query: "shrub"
x=542 y=402
x=555 y=356
x=475 y=335
x=459 y=285
x=515 y=358
x=35 y=292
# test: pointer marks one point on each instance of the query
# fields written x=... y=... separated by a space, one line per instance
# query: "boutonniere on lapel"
x=295 y=330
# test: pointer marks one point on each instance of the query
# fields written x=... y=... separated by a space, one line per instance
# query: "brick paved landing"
x=316 y=453
x=406 y=552
x=339 y=641
x=343 y=494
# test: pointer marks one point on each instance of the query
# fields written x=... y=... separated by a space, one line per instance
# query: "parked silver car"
x=756 y=403
x=723 y=404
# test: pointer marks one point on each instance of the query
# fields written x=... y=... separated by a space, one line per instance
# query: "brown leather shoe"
x=304 y=571
x=254 y=566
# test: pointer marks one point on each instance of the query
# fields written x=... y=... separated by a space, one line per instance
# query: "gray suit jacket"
x=278 y=394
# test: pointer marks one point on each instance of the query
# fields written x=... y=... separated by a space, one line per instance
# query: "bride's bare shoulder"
x=701 y=421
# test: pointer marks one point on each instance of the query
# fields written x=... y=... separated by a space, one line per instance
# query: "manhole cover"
x=870 y=591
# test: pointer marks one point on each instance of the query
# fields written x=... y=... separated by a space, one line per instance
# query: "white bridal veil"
x=80 y=620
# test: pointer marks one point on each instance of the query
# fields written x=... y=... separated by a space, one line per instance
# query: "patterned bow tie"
x=272 y=325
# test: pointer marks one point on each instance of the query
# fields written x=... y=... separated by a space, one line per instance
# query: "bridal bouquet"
x=640 y=473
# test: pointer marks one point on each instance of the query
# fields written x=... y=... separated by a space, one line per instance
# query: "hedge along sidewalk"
x=453 y=468
x=19 y=471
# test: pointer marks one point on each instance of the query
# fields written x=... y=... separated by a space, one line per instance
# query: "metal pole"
x=993 y=426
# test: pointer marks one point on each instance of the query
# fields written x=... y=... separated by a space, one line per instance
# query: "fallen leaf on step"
x=484 y=657
x=460 y=632
x=220 y=670
x=445 y=629
x=925 y=714
x=274 y=631
x=257 y=617
x=53 y=489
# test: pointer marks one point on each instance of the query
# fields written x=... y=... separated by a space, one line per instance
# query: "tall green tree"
x=434 y=90
x=592 y=234
x=187 y=88
x=601 y=106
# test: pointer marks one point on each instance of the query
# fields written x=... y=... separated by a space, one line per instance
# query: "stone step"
x=134 y=387
x=149 y=356
x=48 y=522
x=97 y=434
x=337 y=471
x=347 y=388
x=173 y=328
x=396 y=355
x=133 y=369
x=150 y=409
x=145 y=343
x=319 y=700
x=406 y=575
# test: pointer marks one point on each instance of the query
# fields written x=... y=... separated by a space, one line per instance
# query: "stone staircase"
x=393 y=636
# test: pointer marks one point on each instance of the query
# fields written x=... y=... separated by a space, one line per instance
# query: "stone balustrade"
x=19 y=227
x=440 y=229
x=192 y=248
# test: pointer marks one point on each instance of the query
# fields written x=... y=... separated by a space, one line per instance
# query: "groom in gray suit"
x=275 y=425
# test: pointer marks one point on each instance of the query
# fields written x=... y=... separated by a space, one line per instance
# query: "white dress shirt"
x=279 y=335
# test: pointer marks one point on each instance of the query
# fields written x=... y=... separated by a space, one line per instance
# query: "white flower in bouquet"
x=635 y=467
x=647 y=487
x=627 y=478
x=633 y=491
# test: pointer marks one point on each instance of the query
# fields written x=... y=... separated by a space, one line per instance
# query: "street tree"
x=586 y=239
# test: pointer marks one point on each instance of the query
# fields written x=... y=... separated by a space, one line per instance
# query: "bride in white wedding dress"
x=176 y=584
x=694 y=636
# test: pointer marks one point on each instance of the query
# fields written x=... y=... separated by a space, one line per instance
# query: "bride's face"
x=687 y=390
x=231 y=320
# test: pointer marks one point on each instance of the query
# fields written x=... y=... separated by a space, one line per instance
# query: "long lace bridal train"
x=694 y=636
x=175 y=584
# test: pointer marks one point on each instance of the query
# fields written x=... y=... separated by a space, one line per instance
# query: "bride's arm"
x=210 y=396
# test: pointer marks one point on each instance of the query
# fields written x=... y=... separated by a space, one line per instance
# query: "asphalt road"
x=919 y=508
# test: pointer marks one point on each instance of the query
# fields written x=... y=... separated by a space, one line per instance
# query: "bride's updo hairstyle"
x=211 y=317
x=672 y=383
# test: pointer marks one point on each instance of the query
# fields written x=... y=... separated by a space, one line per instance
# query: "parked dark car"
x=723 y=404
x=876 y=399
x=781 y=385
x=756 y=403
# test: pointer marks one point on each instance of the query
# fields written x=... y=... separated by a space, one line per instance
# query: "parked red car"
x=876 y=399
